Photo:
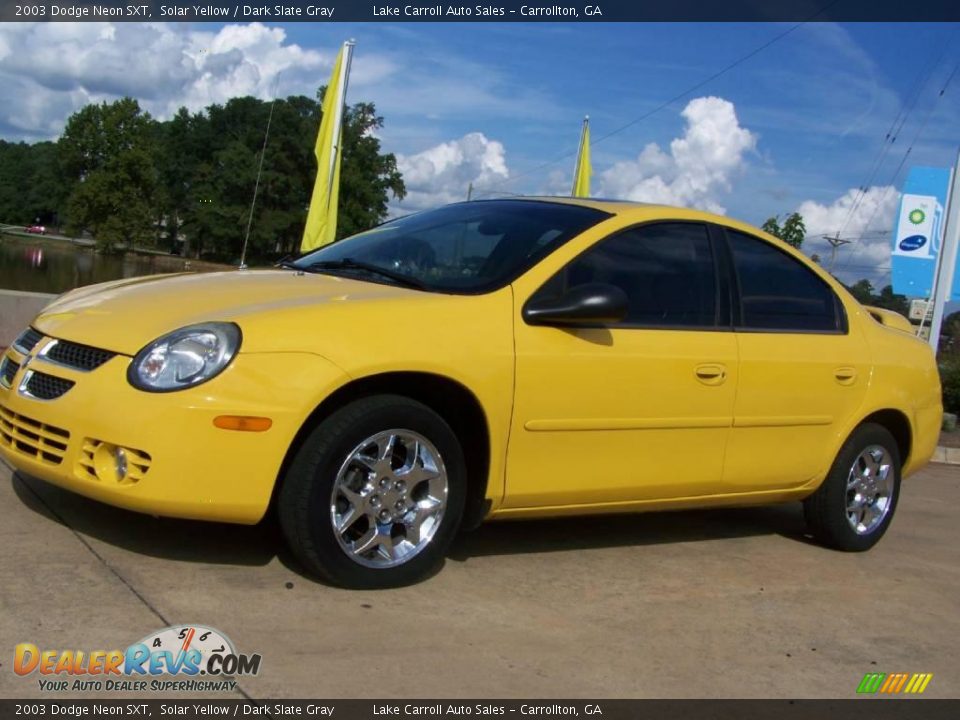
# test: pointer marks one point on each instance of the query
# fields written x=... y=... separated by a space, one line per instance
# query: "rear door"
x=803 y=372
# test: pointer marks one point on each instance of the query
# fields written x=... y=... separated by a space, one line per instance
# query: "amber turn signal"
x=242 y=422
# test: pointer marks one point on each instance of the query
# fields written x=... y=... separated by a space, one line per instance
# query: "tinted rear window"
x=777 y=292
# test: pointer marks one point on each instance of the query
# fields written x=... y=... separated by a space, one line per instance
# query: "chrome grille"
x=30 y=437
x=75 y=355
x=8 y=369
x=27 y=340
x=45 y=387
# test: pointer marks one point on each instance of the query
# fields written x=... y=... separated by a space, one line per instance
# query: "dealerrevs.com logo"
x=177 y=658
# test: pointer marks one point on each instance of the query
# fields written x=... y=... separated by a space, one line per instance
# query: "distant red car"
x=36 y=229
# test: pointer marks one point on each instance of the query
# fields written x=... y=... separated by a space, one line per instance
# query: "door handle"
x=711 y=373
x=845 y=375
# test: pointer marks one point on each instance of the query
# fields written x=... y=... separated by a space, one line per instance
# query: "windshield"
x=468 y=247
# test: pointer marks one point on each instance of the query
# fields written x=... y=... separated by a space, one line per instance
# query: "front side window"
x=777 y=293
x=665 y=269
x=468 y=247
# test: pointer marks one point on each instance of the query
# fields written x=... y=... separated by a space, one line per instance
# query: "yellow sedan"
x=485 y=360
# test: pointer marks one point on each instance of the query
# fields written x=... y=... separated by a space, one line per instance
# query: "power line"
x=906 y=155
x=916 y=137
x=693 y=88
x=895 y=127
x=865 y=266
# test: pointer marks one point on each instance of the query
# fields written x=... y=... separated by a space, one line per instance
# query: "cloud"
x=865 y=219
x=442 y=174
x=699 y=167
x=874 y=211
x=49 y=70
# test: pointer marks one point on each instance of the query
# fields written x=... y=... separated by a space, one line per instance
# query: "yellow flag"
x=581 y=176
x=321 y=227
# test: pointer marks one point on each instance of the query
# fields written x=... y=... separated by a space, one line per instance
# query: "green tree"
x=216 y=210
x=951 y=325
x=366 y=175
x=128 y=179
x=15 y=159
x=889 y=300
x=862 y=290
x=183 y=144
x=113 y=201
x=792 y=231
x=32 y=187
x=108 y=150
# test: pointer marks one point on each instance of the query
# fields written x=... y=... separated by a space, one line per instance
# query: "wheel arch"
x=449 y=398
x=898 y=424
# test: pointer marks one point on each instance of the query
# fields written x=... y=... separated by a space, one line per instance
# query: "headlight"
x=185 y=357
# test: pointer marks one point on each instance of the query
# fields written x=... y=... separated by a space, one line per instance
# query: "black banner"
x=492 y=11
x=856 y=709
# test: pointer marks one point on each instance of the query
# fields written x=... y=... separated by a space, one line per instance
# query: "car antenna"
x=256 y=185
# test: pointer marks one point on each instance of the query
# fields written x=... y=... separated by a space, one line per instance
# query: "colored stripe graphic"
x=871 y=682
x=918 y=683
x=913 y=683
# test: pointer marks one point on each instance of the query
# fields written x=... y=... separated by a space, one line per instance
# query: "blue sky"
x=797 y=126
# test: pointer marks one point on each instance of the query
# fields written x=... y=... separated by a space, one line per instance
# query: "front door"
x=633 y=411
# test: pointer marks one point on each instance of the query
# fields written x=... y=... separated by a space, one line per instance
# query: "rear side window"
x=665 y=269
x=777 y=293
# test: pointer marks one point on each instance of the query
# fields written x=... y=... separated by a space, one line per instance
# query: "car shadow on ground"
x=258 y=545
x=629 y=529
x=170 y=538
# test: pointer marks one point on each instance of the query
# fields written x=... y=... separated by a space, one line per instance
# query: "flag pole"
x=947 y=257
x=341 y=104
x=321 y=226
x=576 y=169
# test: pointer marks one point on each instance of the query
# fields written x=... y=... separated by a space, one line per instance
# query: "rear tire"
x=853 y=507
x=375 y=494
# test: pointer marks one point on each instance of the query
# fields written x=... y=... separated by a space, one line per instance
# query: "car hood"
x=125 y=315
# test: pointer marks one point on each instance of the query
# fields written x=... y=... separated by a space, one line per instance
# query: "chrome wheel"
x=388 y=498
x=870 y=489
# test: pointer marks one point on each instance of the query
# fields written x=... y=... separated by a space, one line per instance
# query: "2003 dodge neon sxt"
x=506 y=358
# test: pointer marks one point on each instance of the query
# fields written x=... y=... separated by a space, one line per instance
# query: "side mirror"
x=589 y=304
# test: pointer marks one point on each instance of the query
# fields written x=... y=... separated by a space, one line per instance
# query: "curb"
x=946 y=455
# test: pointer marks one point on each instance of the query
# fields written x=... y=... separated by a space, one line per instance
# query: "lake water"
x=47 y=266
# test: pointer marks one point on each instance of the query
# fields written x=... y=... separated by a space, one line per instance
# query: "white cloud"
x=866 y=220
x=442 y=174
x=49 y=70
x=874 y=211
x=699 y=167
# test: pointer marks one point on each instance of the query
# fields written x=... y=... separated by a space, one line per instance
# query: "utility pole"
x=835 y=242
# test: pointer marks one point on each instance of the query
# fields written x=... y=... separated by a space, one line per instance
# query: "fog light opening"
x=110 y=463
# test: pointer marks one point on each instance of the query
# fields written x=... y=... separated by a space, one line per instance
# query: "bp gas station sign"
x=919 y=232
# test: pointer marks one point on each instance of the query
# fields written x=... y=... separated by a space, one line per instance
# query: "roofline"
x=613 y=206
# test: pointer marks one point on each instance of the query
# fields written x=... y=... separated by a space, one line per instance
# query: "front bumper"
x=177 y=463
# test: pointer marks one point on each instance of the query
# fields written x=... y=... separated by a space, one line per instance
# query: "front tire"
x=853 y=507
x=375 y=494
